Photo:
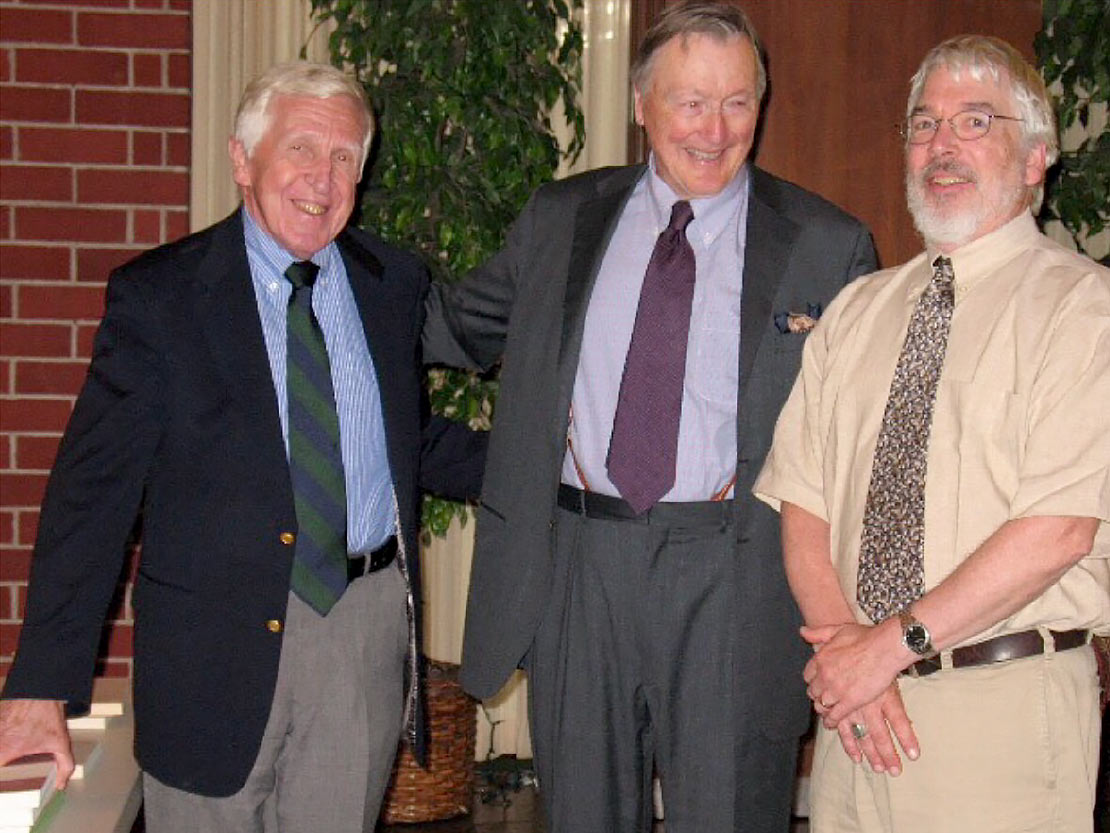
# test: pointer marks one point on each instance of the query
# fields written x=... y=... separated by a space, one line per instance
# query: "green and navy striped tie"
x=315 y=457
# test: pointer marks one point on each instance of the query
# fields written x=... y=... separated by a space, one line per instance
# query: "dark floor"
x=521 y=814
x=518 y=810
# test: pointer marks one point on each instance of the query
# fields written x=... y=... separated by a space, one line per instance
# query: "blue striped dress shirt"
x=371 y=517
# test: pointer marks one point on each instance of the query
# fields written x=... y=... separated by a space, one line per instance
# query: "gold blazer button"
x=273 y=625
x=287 y=538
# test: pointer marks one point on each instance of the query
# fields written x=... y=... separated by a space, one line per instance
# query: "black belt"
x=360 y=565
x=1000 y=649
x=606 y=507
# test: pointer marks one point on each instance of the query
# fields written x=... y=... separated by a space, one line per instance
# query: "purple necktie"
x=644 y=445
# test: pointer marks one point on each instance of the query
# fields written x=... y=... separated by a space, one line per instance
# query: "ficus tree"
x=465 y=92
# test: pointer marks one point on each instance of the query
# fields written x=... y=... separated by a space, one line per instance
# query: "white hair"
x=980 y=56
x=253 y=117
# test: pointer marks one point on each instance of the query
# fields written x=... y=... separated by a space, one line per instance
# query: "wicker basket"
x=445 y=789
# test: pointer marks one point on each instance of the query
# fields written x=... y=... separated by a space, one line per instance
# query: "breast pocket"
x=983 y=429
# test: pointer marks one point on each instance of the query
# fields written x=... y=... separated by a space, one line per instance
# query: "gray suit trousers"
x=633 y=668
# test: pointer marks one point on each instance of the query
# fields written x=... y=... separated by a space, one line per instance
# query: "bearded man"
x=942 y=467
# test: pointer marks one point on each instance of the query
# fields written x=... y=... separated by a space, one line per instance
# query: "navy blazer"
x=178 y=422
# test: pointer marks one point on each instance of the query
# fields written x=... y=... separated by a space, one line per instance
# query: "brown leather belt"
x=360 y=565
x=1000 y=649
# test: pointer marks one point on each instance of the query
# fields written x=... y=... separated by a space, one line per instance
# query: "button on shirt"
x=1020 y=425
x=370 y=510
x=707 y=429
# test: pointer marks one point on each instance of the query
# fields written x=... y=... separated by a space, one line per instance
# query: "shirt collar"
x=984 y=255
x=711 y=214
x=274 y=256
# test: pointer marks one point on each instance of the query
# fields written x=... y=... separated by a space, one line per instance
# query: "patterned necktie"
x=644 y=446
x=315 y=458
x=891 y=559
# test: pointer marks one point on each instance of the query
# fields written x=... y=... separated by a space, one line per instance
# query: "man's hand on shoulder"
x=29 y=727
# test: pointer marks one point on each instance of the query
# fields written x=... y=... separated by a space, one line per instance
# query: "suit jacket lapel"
x=770 y=238
x=228 y=310
x=594 y=224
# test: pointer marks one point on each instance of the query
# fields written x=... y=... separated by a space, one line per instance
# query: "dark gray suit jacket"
x=527 y=306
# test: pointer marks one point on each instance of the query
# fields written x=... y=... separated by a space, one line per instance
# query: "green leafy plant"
x=464 y=91
x=1073 y=49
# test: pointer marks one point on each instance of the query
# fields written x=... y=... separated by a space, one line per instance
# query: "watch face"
x=917 y=638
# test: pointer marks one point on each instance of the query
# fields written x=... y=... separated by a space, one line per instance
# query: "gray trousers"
x=328 y=747
x=633 y=667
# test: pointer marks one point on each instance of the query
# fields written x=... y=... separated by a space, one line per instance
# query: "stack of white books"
x=27 y=793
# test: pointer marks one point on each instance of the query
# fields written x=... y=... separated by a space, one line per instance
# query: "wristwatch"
x=915 y=635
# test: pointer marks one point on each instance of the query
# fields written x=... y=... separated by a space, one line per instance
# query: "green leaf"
x=462 y=89
x=1073 y=48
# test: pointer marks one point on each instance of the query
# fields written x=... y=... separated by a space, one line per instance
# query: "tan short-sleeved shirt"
x=1021 y=423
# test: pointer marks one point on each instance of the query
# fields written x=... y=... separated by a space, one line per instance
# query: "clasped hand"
x=853 y=688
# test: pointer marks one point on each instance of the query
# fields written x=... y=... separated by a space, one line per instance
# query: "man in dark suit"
x=255 y=391
x=620 y=557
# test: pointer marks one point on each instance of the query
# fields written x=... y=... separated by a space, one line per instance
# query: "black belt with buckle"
x=1000 y=649
x=360 y=565
x=608 y=508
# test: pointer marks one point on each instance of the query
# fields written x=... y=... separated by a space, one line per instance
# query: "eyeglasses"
x=968 y=125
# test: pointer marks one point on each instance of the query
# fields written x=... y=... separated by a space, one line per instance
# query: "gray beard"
x=938 y=229
x=950 y=230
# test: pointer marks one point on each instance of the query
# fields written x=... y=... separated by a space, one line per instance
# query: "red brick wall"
x=94 y=156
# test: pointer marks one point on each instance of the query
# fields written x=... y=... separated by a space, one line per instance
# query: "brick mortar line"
x=11 y=398
x=48 y=321
x=94 y=166
x=117 y=88
x=62 y=86
x=112 y=206
x=76 y=47
x=63 y=244
x=34 y=435
x=51 y=283
x=91 y=128
x=95 y=9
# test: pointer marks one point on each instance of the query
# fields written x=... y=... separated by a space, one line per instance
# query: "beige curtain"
x=234 y=40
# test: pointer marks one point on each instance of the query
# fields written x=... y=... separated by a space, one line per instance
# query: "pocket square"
x=798 y=322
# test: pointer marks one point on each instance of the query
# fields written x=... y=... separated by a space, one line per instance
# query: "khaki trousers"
x=1007 y=748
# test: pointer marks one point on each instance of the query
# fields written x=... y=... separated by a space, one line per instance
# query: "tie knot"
x=681 y=215
x=302 y=273
x=943 y=276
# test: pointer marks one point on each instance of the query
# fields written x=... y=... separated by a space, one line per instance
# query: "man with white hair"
x=650 y=319
x=255 y=392
x=943 y=471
